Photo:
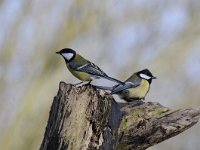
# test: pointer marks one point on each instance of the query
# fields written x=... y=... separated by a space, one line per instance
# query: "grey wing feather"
x=94 y=70
x=121 y=87
x=91 y=69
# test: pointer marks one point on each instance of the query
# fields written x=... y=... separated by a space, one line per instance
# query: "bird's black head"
x=146 y=74
x=67 y=53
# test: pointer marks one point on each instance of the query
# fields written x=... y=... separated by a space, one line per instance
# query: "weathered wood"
x=149 y=123
x=84 y=118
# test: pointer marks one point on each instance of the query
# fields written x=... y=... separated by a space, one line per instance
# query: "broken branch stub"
x=85 y=118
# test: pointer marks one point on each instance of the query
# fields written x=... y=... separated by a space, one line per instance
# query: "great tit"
x=135 y=87
x=81 y=68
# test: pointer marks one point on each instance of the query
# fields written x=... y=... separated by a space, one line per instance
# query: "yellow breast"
x=138 y=92
x=80 y=75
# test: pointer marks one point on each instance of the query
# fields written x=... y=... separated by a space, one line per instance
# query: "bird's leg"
x=88 y=83
x=78 y=83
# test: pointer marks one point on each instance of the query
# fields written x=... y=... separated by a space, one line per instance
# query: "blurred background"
x=121 y=37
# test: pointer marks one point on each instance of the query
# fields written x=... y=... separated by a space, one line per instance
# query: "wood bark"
x=85 y=118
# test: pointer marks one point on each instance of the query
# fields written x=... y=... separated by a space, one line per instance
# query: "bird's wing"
x=121 y=87
x=87 y=67
x=92 y=69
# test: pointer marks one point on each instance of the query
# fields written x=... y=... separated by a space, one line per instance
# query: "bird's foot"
x=88 y=83
x=78 y=83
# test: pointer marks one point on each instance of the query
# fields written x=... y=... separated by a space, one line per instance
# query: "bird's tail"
x=113 y=79
x=116 y=89
x=104 y=87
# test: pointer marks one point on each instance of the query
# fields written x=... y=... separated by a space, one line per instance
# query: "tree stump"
x=85 y=118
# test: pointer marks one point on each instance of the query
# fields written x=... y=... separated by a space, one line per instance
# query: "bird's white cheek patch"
x=144 y=76
x=68 y=56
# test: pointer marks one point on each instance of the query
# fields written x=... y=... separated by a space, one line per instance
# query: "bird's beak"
x=154 y=78
x=58 y=52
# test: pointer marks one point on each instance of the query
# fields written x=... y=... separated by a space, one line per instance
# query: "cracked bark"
x=84 y=118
